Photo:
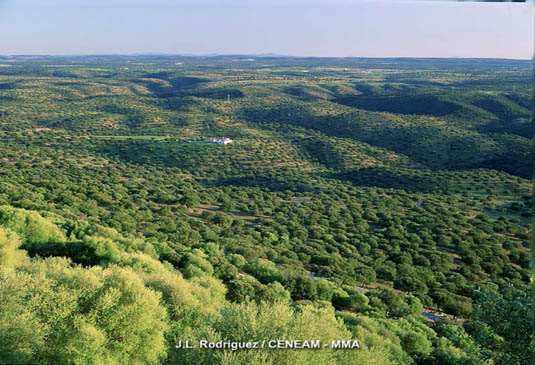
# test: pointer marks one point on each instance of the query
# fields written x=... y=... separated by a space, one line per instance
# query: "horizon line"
x=259 y=55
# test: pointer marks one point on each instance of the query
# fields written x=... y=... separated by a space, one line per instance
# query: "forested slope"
x=356 y=194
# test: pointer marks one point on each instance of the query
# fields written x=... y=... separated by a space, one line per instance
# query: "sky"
x=327 y=28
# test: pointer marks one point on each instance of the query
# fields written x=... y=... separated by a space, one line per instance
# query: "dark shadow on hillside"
x=176 y=87
x=219 y=93
x=524 y=100
x=519 y=128
x=503 y=108
x=183 y=104
x=299 y=92
x=323 y=152
x=8 y=85
x=393 y=179
x=413 y=81
x=511 y=163
x=132 y=117
x=65 y=74
x=435 y=147
x=78 y=251
x=143 y=152
x=184 y=86
x=417 y=104
x=272 y=183
x=178 y=82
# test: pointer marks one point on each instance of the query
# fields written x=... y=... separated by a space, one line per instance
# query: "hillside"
x=355 y=195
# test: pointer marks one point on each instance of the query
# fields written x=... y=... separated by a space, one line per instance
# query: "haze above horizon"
x=320 y=28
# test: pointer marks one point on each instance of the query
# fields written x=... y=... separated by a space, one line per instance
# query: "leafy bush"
x=52 y=312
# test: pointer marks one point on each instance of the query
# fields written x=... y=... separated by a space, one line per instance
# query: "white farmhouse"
x=219 y=140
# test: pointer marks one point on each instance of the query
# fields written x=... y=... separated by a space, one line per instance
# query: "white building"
x=219 y=140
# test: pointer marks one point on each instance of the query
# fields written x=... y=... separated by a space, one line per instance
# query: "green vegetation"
x=354 y=197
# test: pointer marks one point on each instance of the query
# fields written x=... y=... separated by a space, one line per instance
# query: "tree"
x=190 y=199
x=416 y=344
x=411 y=285
x=52 y=312
x=501 y=325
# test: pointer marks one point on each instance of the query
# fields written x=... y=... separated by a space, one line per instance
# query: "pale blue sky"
x=362 y=28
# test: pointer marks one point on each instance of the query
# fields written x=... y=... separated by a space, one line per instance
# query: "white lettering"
x=345 y=344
